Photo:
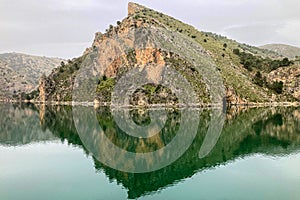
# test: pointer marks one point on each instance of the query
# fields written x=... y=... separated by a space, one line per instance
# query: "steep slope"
x=21 y=73
x=239 y=80
x=283 y=49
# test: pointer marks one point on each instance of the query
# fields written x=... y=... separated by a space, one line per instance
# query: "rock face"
x=151 y=42
x=42 y=87
x=21 y=73
x=290 y=76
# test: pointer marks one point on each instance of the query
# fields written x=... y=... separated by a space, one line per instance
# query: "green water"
x=48 y=153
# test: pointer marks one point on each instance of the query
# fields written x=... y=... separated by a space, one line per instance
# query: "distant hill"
x=283 y=49
x=21 y=72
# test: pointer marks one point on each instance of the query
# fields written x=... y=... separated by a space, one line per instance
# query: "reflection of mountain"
x=20 y=124
x=271 y=131
x=238 y=139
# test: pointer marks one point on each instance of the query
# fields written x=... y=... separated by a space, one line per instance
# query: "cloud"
x=289 y=33
x=257 y=33
x=35 y=24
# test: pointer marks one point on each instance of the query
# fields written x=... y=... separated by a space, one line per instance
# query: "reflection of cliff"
x=279 y=133
x=271 y=131
x=59 y=120
x=20 y=124
x=134 y=144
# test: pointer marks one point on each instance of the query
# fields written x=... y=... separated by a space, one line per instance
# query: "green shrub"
x=277 y=86
x=258 y=79
x=250 y=61
x=236 y=51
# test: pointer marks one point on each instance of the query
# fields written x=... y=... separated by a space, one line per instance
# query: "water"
x=54 y=152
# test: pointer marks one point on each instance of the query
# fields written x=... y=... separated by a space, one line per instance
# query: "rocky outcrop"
x=234 y=98
x=134 y=8
x=290 y=76
x=42 y=88
x=58 y=85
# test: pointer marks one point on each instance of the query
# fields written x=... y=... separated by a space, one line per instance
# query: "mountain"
x=21 y=73
x=283 y=49
x=156 y=45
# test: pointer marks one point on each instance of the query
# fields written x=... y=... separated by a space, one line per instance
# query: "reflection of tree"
x=59 y=120
x=140 y=116
x=275 y=120
x=269 y=131
x=134 y=144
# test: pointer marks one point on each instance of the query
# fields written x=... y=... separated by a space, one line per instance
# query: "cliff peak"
x=134 y=7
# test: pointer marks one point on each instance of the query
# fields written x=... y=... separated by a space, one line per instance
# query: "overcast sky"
x=64 y=28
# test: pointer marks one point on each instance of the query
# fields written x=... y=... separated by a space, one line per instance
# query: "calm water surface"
x=44 y=156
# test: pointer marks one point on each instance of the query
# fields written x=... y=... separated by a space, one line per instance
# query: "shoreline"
x=202 y=105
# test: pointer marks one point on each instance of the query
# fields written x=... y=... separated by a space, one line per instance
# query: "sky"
x=65 y=28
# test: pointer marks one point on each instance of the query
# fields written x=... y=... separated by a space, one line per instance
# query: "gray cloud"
x=258 y=33
x=64 y=28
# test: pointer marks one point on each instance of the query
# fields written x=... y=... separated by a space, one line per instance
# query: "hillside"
x=149 y=41
x=21 y=73
x=283 y=49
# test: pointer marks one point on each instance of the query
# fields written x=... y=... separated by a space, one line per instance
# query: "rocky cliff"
x=290 y=76
x=151 y=43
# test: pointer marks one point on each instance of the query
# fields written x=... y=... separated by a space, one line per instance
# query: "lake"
x=64 y=152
